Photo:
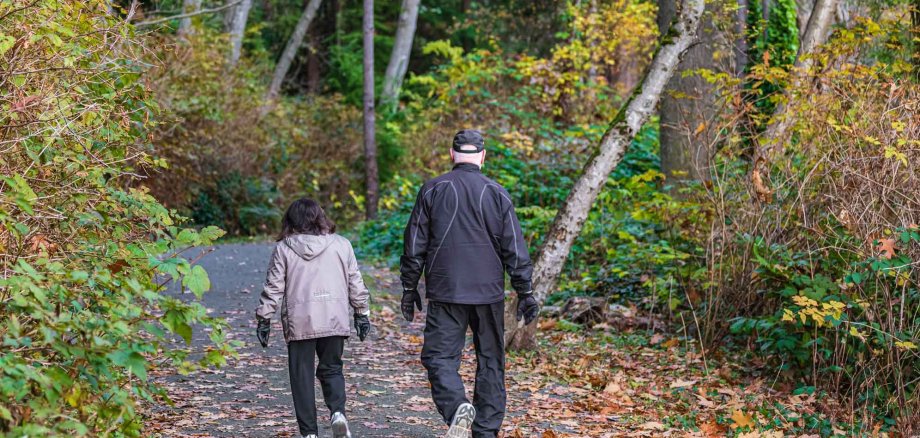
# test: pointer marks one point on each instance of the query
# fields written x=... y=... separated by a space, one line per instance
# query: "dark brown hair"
x=305 y=216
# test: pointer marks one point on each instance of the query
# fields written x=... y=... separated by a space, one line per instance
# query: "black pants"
x=329 y=371
x=445 y=335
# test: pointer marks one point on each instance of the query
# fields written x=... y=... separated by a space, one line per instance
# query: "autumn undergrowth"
x=83 y=248
x=814 y=262
x=649 y=380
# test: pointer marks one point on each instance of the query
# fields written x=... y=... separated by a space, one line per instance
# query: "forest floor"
x=610 y=380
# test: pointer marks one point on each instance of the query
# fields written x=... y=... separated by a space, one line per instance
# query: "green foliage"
x=82 y=317
x=777 y=36
x=772 y=43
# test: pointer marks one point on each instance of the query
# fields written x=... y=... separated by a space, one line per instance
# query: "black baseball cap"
x=468 y=137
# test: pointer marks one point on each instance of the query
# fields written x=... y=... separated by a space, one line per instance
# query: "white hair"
x=473 y=158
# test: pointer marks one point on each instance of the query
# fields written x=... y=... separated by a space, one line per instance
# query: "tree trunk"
x=185 y=24
x=815 y=34
x=290 y=50
x=915 y=31
x=370 y=143
x=741 y=43
x=687 y=105
x=819 y=23
x=592 y=69
x=399 y=58
x=803 y=10
x=314 y=61
x=239 y=16
x=568 y=222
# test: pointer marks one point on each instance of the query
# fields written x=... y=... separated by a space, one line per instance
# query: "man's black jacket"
x=463 y=235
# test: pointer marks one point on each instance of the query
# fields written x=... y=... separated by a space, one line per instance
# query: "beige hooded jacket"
x=314 y=279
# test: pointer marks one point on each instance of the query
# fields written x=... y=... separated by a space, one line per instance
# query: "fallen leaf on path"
x=612 y=388
x=740 y=419
x=682 y=383
x=652 y=425
x=375 y=426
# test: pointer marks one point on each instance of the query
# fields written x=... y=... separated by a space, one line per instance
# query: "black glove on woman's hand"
x=362 y=326
x=410 y=300
x=262 y=331
x=527 y=308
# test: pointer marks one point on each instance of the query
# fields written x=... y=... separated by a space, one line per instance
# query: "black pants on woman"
x=301 y=356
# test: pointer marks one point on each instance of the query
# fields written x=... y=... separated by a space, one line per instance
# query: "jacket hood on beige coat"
x=314 y=280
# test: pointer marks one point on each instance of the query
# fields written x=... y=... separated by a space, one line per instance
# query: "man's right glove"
x=262 y=331
x=410 y=300
x=527 y=308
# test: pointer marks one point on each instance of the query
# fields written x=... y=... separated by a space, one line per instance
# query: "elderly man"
x=464 y=235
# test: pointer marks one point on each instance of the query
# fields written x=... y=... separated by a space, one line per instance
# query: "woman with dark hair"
x=313 y=278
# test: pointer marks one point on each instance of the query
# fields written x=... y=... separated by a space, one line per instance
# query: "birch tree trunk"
x=568 y=222
x=239 y=14
x=290 y=50
x=370 y=143
x=185 y=24
x=399 y=58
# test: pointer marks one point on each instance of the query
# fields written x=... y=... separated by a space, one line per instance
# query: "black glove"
x=362 y=326
x=262 y=331
x=410 y=299
x=527 y=308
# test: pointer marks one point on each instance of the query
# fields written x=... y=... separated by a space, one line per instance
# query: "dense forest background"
x=770 y=207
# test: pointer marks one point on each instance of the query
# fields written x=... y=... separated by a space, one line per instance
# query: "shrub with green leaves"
x=84 y=252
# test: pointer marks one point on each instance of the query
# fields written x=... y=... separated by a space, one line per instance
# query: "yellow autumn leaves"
x=827 y=314
x=815 y=311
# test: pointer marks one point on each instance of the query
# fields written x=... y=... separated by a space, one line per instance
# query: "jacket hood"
x=308 y=246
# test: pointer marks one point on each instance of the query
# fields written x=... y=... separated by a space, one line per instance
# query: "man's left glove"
x=527 y=308
x=262 y=331
x=362 y=326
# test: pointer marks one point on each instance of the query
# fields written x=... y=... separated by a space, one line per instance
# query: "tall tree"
x=290 y=50
x=185 y=23
x=370 y=142
x=688 y=104
x=239 y=15
x=915 y=34
x=569 y=220
x=815 y=34
x=399 y=58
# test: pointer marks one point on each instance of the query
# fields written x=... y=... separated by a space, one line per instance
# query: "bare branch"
x=188 y=15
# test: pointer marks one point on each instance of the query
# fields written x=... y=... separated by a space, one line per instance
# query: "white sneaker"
x=340 y=426
x=462 y=425
x=309 y=436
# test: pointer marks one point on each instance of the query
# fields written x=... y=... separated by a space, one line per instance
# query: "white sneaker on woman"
x=340 y=426
x=462 y=425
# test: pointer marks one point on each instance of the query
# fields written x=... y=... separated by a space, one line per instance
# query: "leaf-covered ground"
x=611 y=380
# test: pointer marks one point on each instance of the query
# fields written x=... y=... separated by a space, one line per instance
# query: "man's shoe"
x=340 y=426
x=310 y=436
x=462 y=425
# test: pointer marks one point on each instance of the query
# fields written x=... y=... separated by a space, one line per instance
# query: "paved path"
x=388 y=394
